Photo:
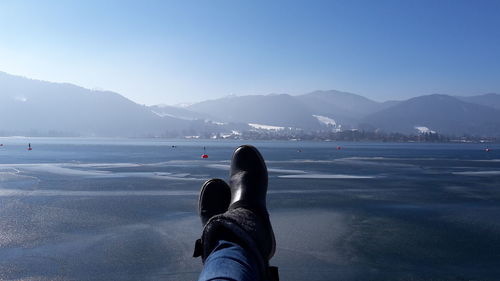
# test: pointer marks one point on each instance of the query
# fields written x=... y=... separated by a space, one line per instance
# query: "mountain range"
x=441 y=113
x=34 y=107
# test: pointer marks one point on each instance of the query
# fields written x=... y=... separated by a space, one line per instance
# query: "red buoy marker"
x=204 y=155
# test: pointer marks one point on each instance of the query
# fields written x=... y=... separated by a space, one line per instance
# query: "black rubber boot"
x=214 y=199
x=247 y=221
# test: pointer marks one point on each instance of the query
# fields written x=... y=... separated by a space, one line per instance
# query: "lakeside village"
x=354 y=135
x=266 y=132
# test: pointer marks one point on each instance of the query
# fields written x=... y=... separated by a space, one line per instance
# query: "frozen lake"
x=120 y=209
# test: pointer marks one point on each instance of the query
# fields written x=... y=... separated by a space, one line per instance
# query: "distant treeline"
x=360 y=136
x=286 y=134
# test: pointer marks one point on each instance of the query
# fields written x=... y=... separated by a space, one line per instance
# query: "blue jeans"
x=229 y=262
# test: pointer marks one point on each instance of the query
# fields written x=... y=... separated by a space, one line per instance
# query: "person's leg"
x=238 y=244
x=229 y=261
x=214 y=199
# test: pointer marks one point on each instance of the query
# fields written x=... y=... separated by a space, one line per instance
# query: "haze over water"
x=121 y=209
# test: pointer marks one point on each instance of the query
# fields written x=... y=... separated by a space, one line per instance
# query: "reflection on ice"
x=93 y=193
x=477 y=173
x=39 y=192
x=327 y=176
x=218 y=166
x=75 y=170
x=100 y=170
x=285 y=171
x=226 y=167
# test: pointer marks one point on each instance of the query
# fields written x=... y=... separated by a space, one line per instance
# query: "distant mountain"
x=275 y=110
x=36 y=107
x=338 y=105
x=177 y=112
x=491 y=100
x=441 y=113
x=387 y=104
x=39 y=108
x=291 y=111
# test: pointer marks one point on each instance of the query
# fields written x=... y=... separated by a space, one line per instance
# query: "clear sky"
x=185 y=51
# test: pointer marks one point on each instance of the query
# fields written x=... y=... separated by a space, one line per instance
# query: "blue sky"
x=185 y=51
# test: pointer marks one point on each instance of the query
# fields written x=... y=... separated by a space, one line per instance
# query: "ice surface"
x=107 y=211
